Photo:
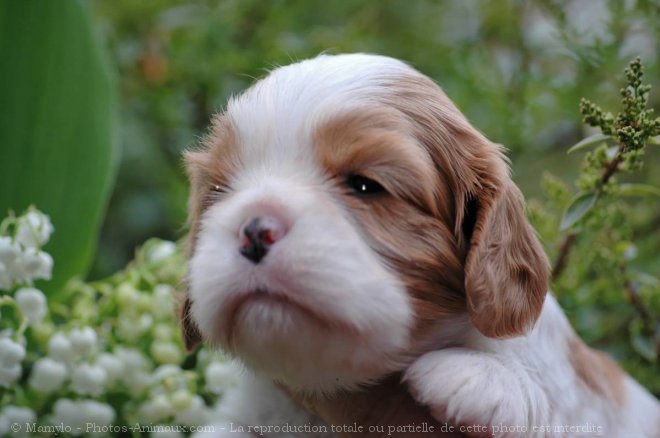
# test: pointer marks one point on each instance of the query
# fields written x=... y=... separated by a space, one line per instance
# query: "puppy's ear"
x=506 y=269
x=190 y=332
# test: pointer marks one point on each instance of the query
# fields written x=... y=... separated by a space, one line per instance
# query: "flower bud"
x=47 y=375
x=166 y=352
x=32 y=264
x=163 y=332
x=163 y=301
x=12 y=415
x=181 y=400
x=32 y=303
x=97 y=413
x=9 y=250
x=59 y=348
x=112 y=365
x=88 y=379
x=83 y=340
x=9 y=375
x=161 y=251
x=34 y=229
x=11 y=353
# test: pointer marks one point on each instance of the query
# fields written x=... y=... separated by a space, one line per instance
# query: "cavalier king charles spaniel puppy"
x=349 y=224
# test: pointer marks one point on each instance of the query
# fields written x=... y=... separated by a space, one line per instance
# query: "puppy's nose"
x=258 y=235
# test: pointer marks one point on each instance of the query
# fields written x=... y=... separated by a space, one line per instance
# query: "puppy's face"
x=345 y=218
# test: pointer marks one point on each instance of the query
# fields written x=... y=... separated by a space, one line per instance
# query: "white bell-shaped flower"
x=11 y=353
x=59 y=348
x=9 y=250
x=113 y=366
x=83 y=340
x=47 y=375
x=34 y=229
x=11 y=416
x=88 y=379
x=32 y=303
x=9 y=375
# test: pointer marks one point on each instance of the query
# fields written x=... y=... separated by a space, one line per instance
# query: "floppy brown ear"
x=506 y=269
x=191 y=335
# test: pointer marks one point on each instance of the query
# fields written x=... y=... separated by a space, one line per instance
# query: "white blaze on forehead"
x=274 y=120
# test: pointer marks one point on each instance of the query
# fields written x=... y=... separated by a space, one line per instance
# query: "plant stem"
x=634 y=298
x=564 y=250
x=569 y=240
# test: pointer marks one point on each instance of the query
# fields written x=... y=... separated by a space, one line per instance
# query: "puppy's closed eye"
x=218 y=188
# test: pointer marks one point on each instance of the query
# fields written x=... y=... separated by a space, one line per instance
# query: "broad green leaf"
x=638 y=190
x=57 y=116
x=579 y=206
x=588 y=142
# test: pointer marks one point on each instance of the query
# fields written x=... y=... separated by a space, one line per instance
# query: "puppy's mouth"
x=285 y=303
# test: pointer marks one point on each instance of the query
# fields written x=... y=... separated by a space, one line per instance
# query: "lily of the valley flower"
x=32 y=303
x=34 y=229
x=48 y=375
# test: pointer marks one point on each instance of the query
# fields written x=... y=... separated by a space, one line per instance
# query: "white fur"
x=527 y=381
x=324 y=264
x=255 y=401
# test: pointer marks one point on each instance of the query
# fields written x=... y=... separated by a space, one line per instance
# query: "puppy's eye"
x=361 y=185
x=217 y=188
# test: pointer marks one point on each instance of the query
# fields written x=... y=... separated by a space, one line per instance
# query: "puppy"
x=348 y=223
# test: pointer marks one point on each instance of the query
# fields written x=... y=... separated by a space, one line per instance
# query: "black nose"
x=256 y=240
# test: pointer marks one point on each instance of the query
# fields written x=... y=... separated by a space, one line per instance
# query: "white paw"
x=465 y=387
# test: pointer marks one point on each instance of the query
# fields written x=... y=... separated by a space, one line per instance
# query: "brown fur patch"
x=597 y=371
x=420 y=147
x=210 y=166
x=408 y=225
x=506 y=269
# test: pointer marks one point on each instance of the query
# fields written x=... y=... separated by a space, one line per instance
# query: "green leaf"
x=645 y=347
x=588 y=142
x=57 y=117
x=579 y=206
x=644 y=278
x=638 y=190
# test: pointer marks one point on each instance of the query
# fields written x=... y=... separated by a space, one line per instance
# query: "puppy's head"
x=344 y=217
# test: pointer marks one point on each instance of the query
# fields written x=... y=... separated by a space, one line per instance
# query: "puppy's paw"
x=476 y=389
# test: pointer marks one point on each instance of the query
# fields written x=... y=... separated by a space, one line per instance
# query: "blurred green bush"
x=516 y=68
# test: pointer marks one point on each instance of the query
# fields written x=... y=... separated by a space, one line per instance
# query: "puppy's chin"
x=303 y=350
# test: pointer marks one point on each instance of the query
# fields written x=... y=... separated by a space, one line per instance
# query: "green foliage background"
x=516 y=68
